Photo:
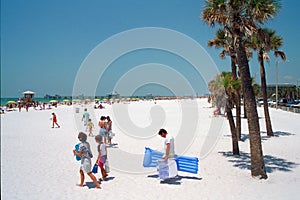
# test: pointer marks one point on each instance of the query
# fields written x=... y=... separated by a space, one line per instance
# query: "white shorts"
x=86 y=165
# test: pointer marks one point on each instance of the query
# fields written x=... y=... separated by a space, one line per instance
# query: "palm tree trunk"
x=245 y=112
x=235 y=144
x=257 y=161
x=238 y=118
x=264 y=93
x=238 y=101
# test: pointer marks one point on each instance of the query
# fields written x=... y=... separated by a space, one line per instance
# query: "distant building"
x=149 y=96
x=285 y=90
x=113 y=95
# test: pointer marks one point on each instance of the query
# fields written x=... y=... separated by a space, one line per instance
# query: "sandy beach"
x=37 y=161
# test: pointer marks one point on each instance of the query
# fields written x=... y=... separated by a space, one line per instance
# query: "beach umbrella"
x=66 y=100
x=53 y=101
x=97 y=99
x=87 y=99
x=11 y=102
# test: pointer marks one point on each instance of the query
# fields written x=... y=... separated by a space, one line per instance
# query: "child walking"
x=90 y=126
x=85 y=117
x=86 y=163
x=102 y=156
x=54 y=120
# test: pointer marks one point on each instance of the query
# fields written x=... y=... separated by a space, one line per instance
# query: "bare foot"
x=98 y=186
x=80 y=185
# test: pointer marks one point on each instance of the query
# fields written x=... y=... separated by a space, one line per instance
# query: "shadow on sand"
x=91 y=185
x=264 y=135
x=272 y=163
x=113 y=145
x=176 y=180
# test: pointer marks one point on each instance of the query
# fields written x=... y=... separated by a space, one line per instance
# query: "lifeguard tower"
x=28 y=97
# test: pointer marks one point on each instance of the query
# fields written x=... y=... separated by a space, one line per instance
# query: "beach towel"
x=78 y=158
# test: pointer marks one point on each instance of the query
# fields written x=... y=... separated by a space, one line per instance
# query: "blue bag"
x=95 y=169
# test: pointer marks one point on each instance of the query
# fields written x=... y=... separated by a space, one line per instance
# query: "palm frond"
x=280 y=54
x=223 y=54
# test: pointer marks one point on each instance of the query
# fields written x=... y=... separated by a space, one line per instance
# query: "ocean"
x=40 y=99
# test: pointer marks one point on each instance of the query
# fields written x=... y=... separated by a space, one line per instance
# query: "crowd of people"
x=103 y=139
x=105 y=125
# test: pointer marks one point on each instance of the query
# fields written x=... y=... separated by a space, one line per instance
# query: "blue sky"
x=44 y=43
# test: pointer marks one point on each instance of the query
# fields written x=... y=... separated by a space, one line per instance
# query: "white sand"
x=37 y=161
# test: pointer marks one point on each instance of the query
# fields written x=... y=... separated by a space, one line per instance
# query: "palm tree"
x=217 y=91
x=264 y=42
x=231 y=85
x=224 y=40
x=241 y=17
x=223 y=87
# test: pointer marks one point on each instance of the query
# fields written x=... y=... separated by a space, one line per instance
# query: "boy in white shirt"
x=169 y=154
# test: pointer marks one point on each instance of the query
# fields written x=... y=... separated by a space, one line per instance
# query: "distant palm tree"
x=231 y=85
x=242 y=16
x=217 y=91
x=223 y=87
x=263 y=42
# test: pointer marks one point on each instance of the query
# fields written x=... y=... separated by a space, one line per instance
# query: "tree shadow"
x=282 y=133
x=264 y=136
x=176 y=180
x=244 y=137
x=272 y=163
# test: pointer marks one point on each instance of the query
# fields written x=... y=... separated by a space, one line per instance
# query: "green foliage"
x=224 y=86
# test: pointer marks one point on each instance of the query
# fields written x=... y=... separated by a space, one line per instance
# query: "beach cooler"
x=163 y=169
x=167 y=169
